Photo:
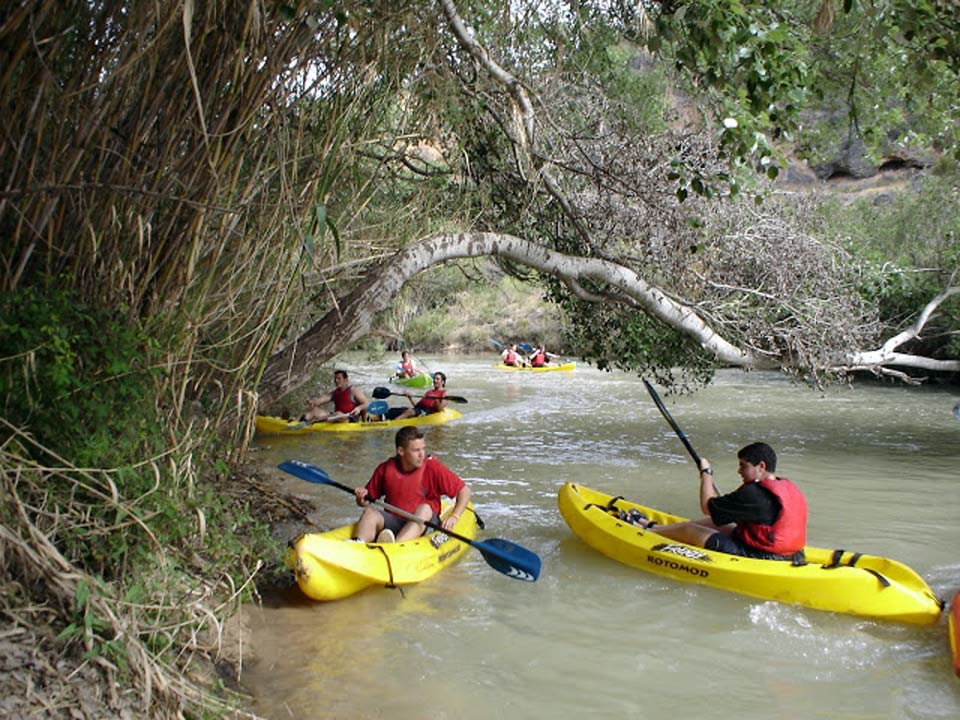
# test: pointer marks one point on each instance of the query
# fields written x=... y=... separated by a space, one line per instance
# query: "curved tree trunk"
x=293 y=366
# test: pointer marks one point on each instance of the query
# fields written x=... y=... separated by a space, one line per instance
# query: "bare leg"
x=692 y=532
x=369 y=525
x=414 y=529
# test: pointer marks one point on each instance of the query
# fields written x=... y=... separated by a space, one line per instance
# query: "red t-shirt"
x=428 y=483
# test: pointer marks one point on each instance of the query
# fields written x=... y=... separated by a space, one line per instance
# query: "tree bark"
x=293 y=366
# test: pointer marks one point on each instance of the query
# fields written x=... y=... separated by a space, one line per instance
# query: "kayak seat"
x=611 y=507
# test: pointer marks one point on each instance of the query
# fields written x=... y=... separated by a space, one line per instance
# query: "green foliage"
x=634 y=342
x=911 y=242
x=81 y=378
x=821 y=73
x=749 y=59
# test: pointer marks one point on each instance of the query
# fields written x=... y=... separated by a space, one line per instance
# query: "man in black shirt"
x=766 y=517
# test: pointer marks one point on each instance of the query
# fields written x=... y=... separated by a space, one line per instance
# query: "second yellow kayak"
x=270 y=425
x=835 y=580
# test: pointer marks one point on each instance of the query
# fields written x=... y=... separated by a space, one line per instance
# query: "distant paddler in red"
x=349 y=403
x=432 y=401
x=511 y=357
x=538 y=358
x=407 y=368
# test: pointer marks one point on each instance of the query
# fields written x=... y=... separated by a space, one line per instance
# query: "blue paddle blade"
x=378 y=407
x=510 y=559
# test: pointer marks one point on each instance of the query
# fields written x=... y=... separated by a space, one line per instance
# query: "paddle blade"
x=381 y=392
x=496 y=343
x=510 y=559
x=306 y=471
x=378 y=407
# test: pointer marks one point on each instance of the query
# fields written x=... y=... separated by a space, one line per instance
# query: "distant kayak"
x=327 y=566
x=417 y=381
x=269 y=425
x=953 y=629
x=565 y=367
x=834 y=580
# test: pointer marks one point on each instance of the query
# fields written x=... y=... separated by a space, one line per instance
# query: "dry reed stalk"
x=186 y=614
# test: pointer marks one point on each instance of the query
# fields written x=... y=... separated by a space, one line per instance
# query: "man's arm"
x=360 y=399
x=463 y=497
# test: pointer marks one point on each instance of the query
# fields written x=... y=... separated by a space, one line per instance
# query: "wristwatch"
x=708 y=471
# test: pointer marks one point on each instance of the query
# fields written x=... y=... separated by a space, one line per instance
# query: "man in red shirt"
x=413 y=481
x=431 y=402
x=349 y=402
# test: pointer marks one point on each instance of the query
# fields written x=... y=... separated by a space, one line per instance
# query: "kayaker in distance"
x=511 y=357
x=766 y=517
x=407 y=368
x=413 y=481
x=349 y=403
x=538 y=358
x=431 y=402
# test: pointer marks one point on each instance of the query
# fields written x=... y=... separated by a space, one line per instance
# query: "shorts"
x=396 y=523
x=733 y=546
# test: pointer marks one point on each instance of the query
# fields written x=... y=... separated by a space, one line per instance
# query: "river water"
x=880 y=466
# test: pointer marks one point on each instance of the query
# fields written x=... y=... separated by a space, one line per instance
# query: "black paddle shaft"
x=381 y=392
x=676 y=428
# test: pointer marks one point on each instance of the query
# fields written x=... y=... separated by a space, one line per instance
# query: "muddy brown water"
x=880 y=466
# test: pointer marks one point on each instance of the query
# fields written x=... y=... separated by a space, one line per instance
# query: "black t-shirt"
x=748 y=503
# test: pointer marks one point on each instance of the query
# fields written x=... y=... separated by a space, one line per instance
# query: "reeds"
x=184 y=164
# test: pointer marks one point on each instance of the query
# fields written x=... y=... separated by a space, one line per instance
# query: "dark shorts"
x=420 y=410
x=396 y=523
x=733 y=546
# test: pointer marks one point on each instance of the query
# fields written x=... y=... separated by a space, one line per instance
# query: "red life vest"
x=510 y=358
x=431 y=400
x=788 y=534
x=343 y=400
x=407 y=369
x=539 y=359
x=427 y=484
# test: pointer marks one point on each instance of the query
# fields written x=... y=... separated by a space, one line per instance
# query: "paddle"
x=381 y=392
x=307 y=423
x=377 y=407
x=502 y=555
x=676 y=428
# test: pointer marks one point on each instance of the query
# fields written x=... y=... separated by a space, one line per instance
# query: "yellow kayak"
x=269 y=425
x=832 y=580
x=565 y=367
x=953 y=631
x=327 y=566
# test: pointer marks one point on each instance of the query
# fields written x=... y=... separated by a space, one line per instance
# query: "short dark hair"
x=755 y=452
x=407 y=434
x=341 y=372
x=442 y=377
